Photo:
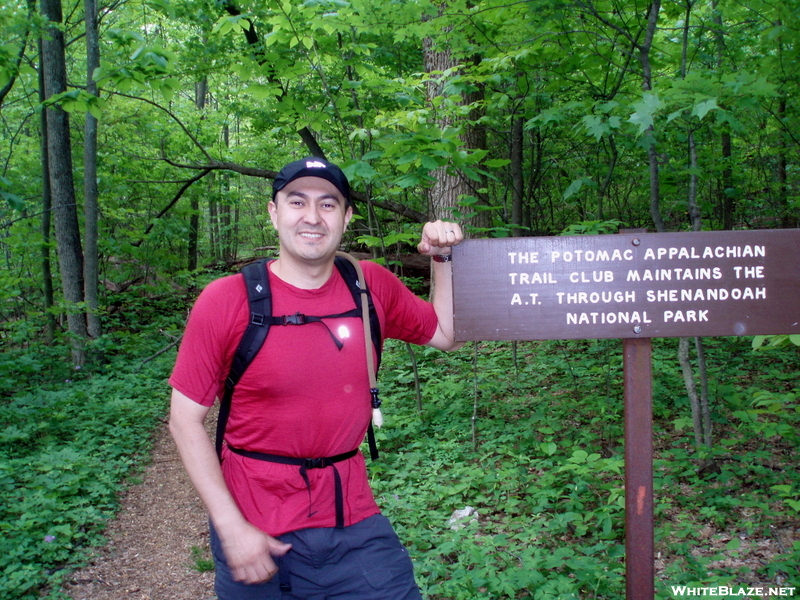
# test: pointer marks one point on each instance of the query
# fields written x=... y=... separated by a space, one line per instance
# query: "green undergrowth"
x=531 y=437
x=69 y=440
x=535 y=445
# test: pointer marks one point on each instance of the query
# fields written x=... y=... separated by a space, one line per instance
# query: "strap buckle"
x=314 y=463
x=257 y=319
x=295 y=319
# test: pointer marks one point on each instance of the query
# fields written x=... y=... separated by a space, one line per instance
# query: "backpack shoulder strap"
x=357 y=283
x=259 y=300
x=350 y=276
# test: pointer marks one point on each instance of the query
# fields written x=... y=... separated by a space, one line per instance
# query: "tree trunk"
x=517 y=181
x=535 y=214
x=450 y=186
x=229 y=216
x=727 y=197
x=647 y=85
x=200 y=95
x=213 y=220
x=788 y=216
x=90 y=192
x=62 y=184
x=701 y=415
x=47 y=272
x=603 y=194
x=691 y=389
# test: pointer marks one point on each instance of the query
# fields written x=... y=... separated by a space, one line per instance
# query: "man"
x=303 y=396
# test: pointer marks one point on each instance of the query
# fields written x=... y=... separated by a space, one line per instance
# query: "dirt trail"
x=149 y=554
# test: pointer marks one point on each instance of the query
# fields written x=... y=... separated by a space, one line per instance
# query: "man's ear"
x=272 y=209
x=348 y=215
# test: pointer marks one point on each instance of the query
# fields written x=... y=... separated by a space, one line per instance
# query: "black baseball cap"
x=312 y=166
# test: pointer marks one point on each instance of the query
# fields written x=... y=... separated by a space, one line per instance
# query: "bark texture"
x=59 y=156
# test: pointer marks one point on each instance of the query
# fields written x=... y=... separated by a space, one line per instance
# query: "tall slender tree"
x=90 y=192
x=46 y=223
x=62 y=186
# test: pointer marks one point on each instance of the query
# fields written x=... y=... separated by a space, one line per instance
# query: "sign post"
x=639 y=535
x=632 y=286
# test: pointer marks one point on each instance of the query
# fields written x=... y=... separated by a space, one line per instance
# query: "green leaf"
x=361 y=169
x=13 y=200
x=497 y=163
x=167 y=93
x=407 y=158
x=682 y=423
x=407 y=181
x=573 y=189
x=95 y=111
x=223 y=25
x=548 y=448
x=471 y=173
x=430 y=163
x=578 y=456
x=595 y=126
x=701 y=109
x=262 y=92
x=645 y=110
x=793 y=504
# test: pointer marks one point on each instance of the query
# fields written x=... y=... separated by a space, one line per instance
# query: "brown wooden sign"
x=630 y=285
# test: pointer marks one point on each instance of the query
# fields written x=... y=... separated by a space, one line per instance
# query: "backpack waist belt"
x=305 y=464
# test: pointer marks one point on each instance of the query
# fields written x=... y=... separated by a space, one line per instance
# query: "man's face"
x=310 y=215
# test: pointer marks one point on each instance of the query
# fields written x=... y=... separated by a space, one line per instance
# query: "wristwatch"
x=442 y=257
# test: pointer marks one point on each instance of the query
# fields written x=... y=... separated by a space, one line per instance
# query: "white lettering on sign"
x=676 y=274
x=595 y=276
x=756 y=272
x=700 y=294
x=523 y=258
x=591 y=255
x=685 y=316
x=517 y=299
x=531 y=278
x=594 y=318
x=683 y=252
x=694 y=283
x=595 y=297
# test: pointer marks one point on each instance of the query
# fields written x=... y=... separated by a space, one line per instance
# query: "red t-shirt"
x=301 y=396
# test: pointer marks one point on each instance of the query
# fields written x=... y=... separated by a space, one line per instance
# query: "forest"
x=139 y=140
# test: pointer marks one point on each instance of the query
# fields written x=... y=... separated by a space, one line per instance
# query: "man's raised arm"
x=438 y=239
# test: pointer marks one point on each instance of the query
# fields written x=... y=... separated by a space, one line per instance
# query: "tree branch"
x=173 y=117
x=394 y=207
x=254 y=41
x=7 y=88
x=172 y=203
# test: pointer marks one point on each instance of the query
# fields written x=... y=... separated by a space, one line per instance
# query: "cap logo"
x=314 y=164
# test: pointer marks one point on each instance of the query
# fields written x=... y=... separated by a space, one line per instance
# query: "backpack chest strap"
x=301 y=319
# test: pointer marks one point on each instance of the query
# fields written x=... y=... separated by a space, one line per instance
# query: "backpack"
x=259 y=299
